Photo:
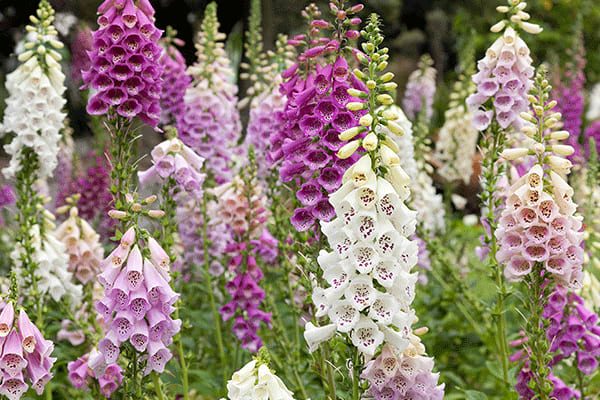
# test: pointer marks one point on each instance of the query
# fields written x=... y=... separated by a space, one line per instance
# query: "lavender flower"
x=86 y=367
x=420 y=89
x=175 y=81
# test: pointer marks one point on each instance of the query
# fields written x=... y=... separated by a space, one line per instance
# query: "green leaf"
x=495 y=369
x=475 y=395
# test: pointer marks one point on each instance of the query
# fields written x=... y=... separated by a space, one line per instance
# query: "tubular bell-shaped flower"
x=125 y=68
x=504 y=74
x=256 y=381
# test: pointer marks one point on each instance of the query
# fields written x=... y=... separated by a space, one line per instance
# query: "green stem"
x=211 y=297
x=330 y=375
x=580 y=383
x=122 y=140
x=157 y=388
x=355 y=375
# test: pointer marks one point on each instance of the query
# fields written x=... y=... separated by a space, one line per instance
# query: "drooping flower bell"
x=91 y=366
x=25 y=358
x=126 y=70
x=255 y=381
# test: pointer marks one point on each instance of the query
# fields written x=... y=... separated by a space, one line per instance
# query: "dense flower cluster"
x=256 y=381
x=25 y=354
x=560 y=390
x=307 y=141
x=173 y=159
x=175 y=81
x=82 y=246
x=457 y=139
x=403 y=377
x=91 y=366
x=369 y=242
x=241 y=206
x=34 y=103
x=539 y=225
x=125 y=68
x=504 y=75
x=210 y=123
x=138 y=302
x=420 y=89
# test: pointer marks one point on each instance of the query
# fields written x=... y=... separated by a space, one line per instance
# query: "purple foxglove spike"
x=122 y=325
x=6 y=319
x=13 y=387
x=12 y=355
x=139 y=337
x=109 y=347
x=228 y=310
x=158 y=356
x=138 y=303
x=134 y=268
x=26 y=332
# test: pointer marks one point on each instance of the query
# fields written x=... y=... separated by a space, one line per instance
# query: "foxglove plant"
x=138 y=299
x=80 y=59
x=210 y=123
x=457 y=139
x=175 y=81
x=242 y=207
x=35 y=100
x=504 y=74
x=538 y=234
x=420 y=89
x=371 y=286
x=314 y=115
x=125 y=62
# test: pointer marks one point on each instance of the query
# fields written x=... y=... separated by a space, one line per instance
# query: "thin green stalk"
x=355 y=375
x=211 y=297
x=157 y=388
x=330 y=375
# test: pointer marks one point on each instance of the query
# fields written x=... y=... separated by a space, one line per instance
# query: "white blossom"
x=255 y=381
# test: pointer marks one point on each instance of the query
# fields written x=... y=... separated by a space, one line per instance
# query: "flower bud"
x=357 y=93
x=359 y=74
x=348 y=149
x=350 y=133
x=528 y=27
x=355 y=106
x=389 y=86
x=371 y=84
x=366 y=120
x=559 y=135
x=149 y=199
x=560 y=165
x=385 y=99
x=137 y=207
x=370 y=141
x=529 y=130
x=388 y=76
x=26 y=55
x=116 y=214
x=156 y=213
x=497 y=27
x=562 y=149
x=513 y=154
x=391 y=144
x=502 y=9
x=389 y=115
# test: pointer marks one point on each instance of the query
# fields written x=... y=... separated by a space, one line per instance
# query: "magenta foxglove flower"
x=126 y=71
x=138 y=302
x=307 y=142
x=25 y=354
x=82 y=370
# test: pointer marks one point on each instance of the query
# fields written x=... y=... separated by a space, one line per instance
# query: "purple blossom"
x=82 y=370
x=125 y=68
x=80 y=59
x=174 y=84
x=420 y=89
x=305 y=144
